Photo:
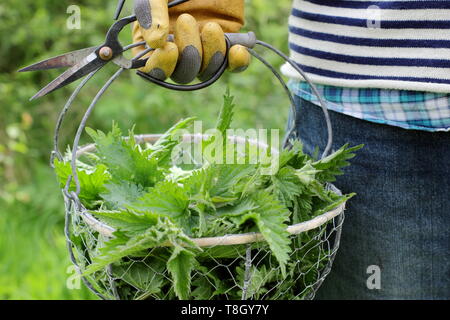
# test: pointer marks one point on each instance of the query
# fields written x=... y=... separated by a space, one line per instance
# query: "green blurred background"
x=34 y=263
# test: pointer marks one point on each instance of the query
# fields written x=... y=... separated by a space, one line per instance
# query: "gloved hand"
x=199 y=46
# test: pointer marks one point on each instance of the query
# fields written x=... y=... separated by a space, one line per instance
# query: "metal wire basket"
x=314 y=243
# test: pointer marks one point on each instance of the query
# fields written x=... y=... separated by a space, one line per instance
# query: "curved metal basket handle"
x=82 y=126
x=329 y=145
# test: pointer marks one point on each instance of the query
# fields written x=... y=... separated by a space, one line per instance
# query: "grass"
x=33 y=255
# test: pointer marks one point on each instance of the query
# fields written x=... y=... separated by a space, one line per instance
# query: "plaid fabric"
x=406 y=109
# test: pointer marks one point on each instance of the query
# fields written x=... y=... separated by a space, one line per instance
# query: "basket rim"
x=225 y=240
x=228 y=239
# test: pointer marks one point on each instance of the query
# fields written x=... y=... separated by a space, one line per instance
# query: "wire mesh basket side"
x=247 y=271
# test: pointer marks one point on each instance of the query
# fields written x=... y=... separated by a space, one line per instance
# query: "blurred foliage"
x=33 y=258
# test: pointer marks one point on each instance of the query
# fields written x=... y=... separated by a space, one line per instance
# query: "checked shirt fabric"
x=417 y=110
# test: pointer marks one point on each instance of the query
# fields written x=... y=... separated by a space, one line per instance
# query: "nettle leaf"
x=146 y=276
x=302 y=210
x=259 y=278
x=223 y=124
x=245 y=206
x=270 y=217
x=180 y=266
x=92 y=183
x=252 y=183
x=198 y=182
x=293 y=156
x=286 y=185
x=127 y=221
x=208 y=283
x=326 y=206
x=307 y=173
x=113 y=250
x=177 y=174
x=217 y=181
x=273 y=217
x=223 y=200
x=223 y=252
x=121 y=195
x=226 y=114
x=162 y=149
x=331 y=166
x=320 y=191
x=166 y=198
x=163 y=233
x=204 y=289
x=219 y=226
x=226 y=177
x=124 y=158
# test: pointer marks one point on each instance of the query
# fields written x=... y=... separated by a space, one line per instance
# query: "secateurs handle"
x=248 y=40
x=245 y=39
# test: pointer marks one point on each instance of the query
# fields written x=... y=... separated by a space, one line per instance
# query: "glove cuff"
x=229 y=14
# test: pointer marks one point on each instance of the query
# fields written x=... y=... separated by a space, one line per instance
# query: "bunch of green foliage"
x=157 y=208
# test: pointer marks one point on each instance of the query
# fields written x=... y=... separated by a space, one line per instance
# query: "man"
x=383 y=68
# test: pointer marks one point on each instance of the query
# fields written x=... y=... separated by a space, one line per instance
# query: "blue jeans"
x=397 y=227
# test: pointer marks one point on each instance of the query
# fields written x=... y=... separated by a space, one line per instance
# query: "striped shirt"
x=400 y=45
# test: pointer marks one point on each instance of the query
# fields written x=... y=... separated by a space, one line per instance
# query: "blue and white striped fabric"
x=401 y=45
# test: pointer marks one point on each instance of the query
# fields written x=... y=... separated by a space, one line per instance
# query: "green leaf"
x=147 y=276
x=293 y=155
x=180 y=266
x=286 y=185
x=166 y=198
x=271 y=217
x=245 y=206
x=226 y=177
x=221 y=252
x=302 y=208
x=208 y=283
x=204 y=290
x=125 y=159
x=92 y=184
x=127 y=221
x=226 y=114
x=331 y=166
x=307 y=173
x=121 y=195
x=223 y=200
x=252 y=183
x=219 y=226
x=217 y=180
x=320 y=191
x=259 y=277
x=219 y=138
x=122 y=245
x=330 y=205
x=162 y=149
x=198 y=182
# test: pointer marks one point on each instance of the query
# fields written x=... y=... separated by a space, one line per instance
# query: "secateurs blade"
x=84 y=61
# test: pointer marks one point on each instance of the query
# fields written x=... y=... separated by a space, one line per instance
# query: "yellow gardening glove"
x=199 y=45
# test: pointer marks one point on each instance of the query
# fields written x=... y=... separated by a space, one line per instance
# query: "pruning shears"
x=83 y=62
